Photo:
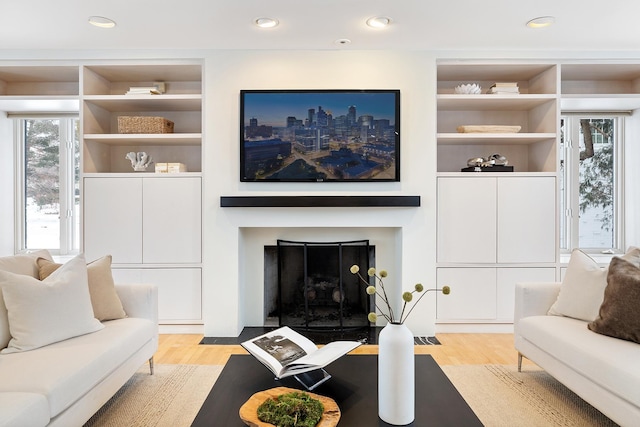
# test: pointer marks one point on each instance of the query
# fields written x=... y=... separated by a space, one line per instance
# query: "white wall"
x=225 y=234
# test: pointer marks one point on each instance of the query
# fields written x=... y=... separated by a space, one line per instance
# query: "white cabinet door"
x=179 y=291
x=506 y=282
x=526 y=219
x=112 y=219
x=172 y=220
x=466 y=220
x=472 y=297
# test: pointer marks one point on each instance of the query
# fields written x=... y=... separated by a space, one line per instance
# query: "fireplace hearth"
x=315 y=290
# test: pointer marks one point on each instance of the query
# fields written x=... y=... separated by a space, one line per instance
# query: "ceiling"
x=586 y=25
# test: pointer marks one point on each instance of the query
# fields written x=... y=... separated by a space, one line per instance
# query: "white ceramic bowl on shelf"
x=468 y=89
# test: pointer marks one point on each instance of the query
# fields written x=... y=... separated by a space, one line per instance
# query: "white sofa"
x=602 y=370
x=65 y=383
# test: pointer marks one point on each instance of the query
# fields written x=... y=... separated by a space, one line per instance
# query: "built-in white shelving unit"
x=152 y=223
x=484 y=243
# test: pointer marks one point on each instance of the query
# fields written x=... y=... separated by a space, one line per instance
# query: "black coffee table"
x=353 y=387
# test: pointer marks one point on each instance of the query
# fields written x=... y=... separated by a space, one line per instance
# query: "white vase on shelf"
x=396 y=375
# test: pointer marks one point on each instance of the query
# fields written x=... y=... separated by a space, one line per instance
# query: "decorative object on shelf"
x=139 y=161
x=475 y=161
x=494 y=159
x=488 y=129
x=157 y=89
x=144 y=124
x=494 y=163
x=176 y=167
x=143 y=90
x=396 y=369
x=249 y=410
x=495 y=168
x=171 y=167
x=504 y=88
x=499 y=159
x=468 y=89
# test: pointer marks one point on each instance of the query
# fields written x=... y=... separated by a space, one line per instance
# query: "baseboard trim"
x=181 y=329
x=474 y=328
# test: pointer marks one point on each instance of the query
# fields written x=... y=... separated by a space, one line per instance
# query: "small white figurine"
x=139 y=161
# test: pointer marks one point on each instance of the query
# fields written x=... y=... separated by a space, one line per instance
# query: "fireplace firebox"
x=315 y=288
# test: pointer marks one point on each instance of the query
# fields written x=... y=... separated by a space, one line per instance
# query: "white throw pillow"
x=19 y=264
x=42 y=313
x=582 y=289
x=104 y=298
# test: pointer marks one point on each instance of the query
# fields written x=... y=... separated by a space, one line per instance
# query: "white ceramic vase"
x=396 y=375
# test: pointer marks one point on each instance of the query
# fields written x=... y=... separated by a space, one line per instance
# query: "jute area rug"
x=498 y=394
x=171 y=397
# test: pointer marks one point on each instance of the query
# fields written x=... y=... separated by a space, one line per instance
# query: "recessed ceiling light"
x=378 y=21
x=541 y=22
x=343 y=41
x=266 y=22
x=102 y=22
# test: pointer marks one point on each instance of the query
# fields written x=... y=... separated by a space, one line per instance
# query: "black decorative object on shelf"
x=494 y=168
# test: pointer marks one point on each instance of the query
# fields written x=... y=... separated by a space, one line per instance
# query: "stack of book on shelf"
x=504 y=88
x=143 y=90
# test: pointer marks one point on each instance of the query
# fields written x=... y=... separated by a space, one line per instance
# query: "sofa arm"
x=534 y=299
x=139 y=300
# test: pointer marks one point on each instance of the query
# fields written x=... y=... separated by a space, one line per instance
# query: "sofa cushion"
x=19 y=264
x=609 y=362
x=620 y=311
x=24 y=263
x=104 y=299
x=582 y=290
x=53 y=310
x=67 y=370
x=19 y=409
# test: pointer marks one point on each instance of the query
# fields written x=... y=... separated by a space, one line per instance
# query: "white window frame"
x=68 y=217
x=571 y=214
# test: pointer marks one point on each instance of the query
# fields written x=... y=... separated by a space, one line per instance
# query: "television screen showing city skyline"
x=320 y=135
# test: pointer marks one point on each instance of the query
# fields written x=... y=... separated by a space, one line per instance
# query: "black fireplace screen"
x=316 y=288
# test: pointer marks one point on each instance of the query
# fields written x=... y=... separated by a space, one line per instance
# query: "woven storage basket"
x=139 y=124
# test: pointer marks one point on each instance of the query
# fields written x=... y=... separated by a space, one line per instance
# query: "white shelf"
x=146 y=139
x=132 y=103
x=471 y=71
x=449 y=102
x=492 y=175
x=493 y=138
x=41 y=104
x=149 y=174
x=600 y=102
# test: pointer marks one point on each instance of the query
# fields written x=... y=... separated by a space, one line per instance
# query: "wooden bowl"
x=249 y=411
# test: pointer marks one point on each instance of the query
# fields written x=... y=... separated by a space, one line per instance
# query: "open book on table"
x=286 y=352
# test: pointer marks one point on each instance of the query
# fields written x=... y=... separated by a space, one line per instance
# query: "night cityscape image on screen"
x=320 y=135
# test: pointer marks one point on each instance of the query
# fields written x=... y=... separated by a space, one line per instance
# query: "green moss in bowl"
x=295 y=409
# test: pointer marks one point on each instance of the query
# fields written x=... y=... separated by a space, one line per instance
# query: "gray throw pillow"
x=619 y=313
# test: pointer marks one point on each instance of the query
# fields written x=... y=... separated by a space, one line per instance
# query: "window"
x=48 y=177
x=590 y=183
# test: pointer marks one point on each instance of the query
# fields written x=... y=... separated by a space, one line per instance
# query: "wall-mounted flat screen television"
x=319 y=135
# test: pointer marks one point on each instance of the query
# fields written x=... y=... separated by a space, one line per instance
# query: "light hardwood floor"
x=456 y=349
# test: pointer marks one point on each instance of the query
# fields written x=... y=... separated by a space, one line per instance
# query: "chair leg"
x=151 y=365
x=519 y=362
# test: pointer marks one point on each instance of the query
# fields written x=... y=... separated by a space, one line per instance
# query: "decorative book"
x=285 y=352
